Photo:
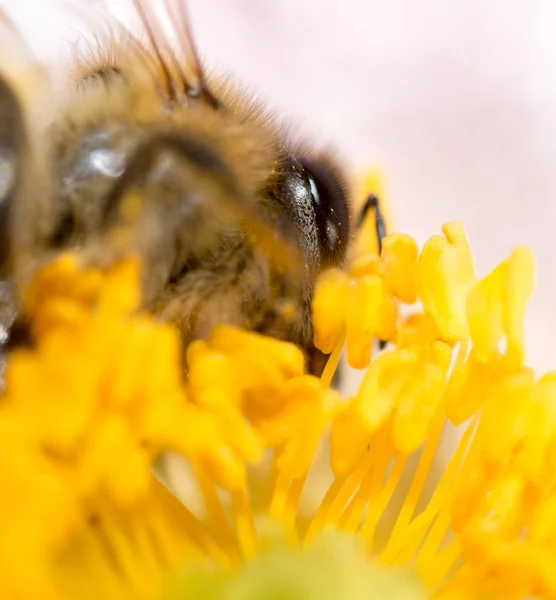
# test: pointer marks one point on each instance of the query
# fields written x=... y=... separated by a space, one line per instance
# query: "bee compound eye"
x=7 y=172
x=7 y=183
x=331 y=208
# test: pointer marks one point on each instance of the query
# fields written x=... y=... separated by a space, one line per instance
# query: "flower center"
x=100 y=397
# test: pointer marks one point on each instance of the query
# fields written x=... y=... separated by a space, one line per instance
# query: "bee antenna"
x=167 y=76
x=195 y=84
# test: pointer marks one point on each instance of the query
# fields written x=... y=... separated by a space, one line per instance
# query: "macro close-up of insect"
x=144 y=153
x=188 y=266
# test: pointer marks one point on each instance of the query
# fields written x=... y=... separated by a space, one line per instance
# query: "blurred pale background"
x=456 y=101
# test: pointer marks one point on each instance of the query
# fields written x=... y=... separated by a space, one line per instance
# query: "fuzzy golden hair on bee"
x=118 y=69
x=149 y=154
x=164 y=46
x=100 y=60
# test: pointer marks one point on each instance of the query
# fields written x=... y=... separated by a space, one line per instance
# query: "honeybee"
x=146 y=154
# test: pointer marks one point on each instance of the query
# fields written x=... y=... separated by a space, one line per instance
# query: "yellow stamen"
x=180 y=518
x=371 y=485
x=286 y=494
x=362 y=319
x=440 y=507
x=290 y=509
x=489 y=526
x=332 y=362
x=350 y=485
x=319 y=519
x=377 y=509
x=279 y=498
x=445 y=274
x=331 y=298
x=492 y=315
x=246 y=533
x=399 y=253
x=367 y=492
x=216 y=514
x=414 y=493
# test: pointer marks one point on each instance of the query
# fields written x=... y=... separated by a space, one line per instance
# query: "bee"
x=145 y=154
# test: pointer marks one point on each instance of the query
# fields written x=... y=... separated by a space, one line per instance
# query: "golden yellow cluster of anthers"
x=89 y=408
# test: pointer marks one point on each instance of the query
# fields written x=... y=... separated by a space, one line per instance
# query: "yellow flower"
x=102 y=395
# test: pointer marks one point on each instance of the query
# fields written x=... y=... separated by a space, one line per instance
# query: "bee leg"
x=373 y=203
